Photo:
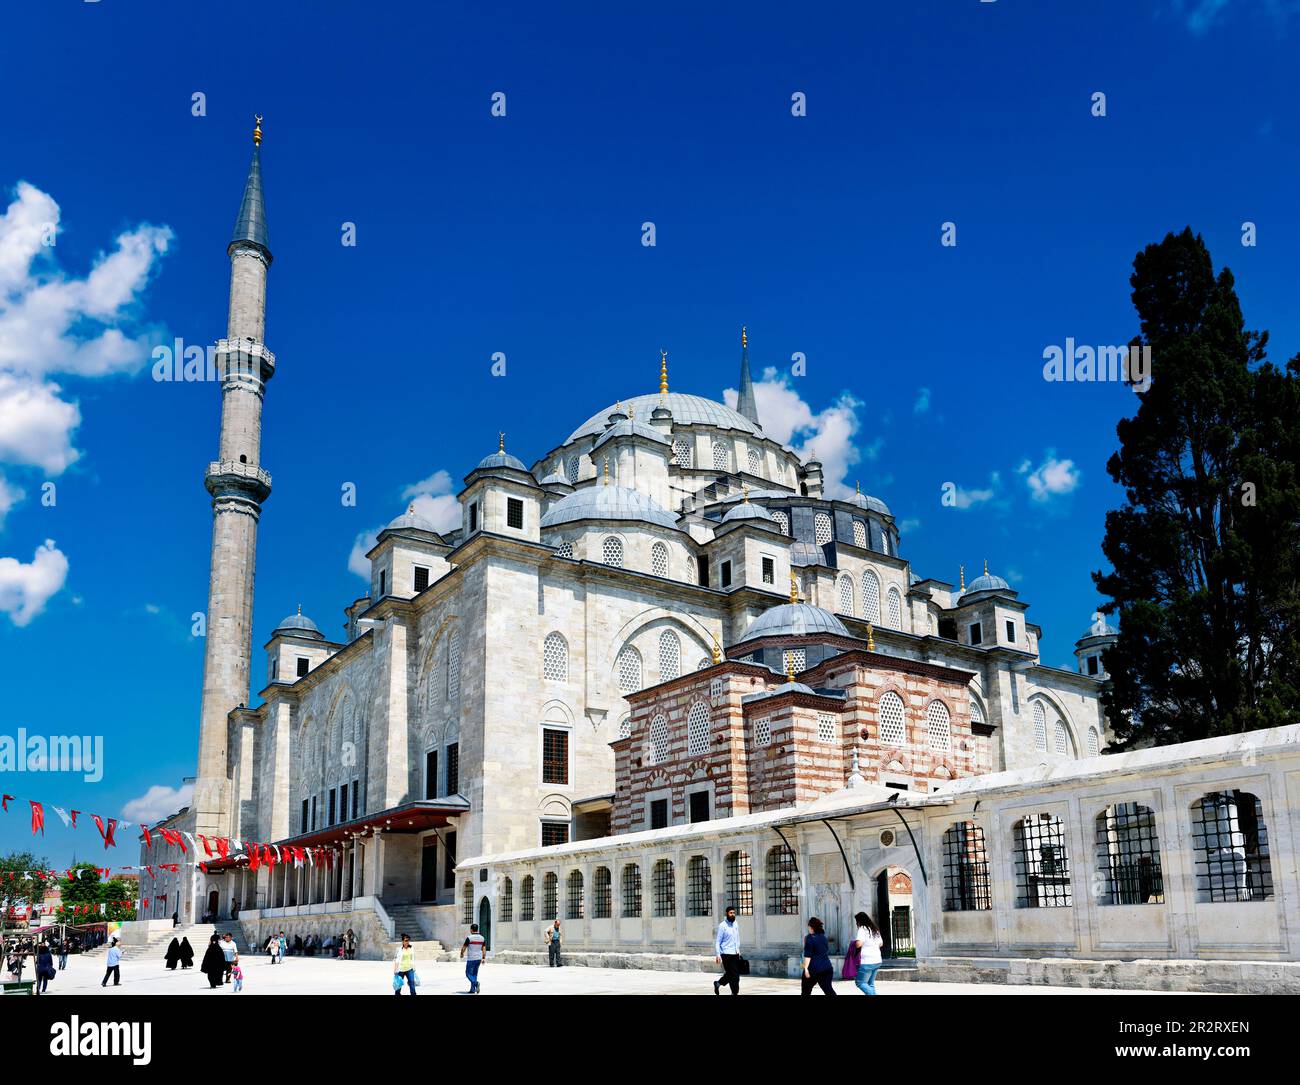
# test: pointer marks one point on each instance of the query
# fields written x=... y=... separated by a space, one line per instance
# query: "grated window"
x=697 y=730
x=892 y=728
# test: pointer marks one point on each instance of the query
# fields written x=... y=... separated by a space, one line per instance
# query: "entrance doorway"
x=894 y=912
x=485 y=922
x=214 y=903
x=429 y=869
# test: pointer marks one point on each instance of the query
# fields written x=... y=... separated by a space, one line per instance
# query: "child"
x=238 y=974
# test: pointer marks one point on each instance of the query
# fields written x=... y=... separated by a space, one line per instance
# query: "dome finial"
x=257 y=130
x=859 y=485
x=663 y=372
x=717 y=651
x=963 y=577
x=871 y=637
x=745 y=486
x=744 y=339
x=789 y=666
x=794 y=588
x=300 y=610
x=606 y=470
x=986 y=566
x=411 y=508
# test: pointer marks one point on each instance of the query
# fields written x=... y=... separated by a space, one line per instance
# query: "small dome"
x=298 y=625
x=500 y=458
x=986 y=582
x=411 y=520
x=607 y=502
x=795 y=620
x=556 y=478
x=747 y=510
x=1099 y=628
x=806 y=553
x=685 y=409
x=874 y=504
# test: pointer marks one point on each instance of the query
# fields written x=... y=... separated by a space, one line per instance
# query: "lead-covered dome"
x=685 y=410
x=298 y=625
x=605 y=502
x=796 y=620
x=412 y=521
x=986 y=582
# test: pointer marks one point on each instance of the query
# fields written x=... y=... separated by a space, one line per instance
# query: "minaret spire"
x=250 y=225
x=745 y=403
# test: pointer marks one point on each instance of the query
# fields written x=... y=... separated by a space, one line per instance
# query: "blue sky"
x=522 y=234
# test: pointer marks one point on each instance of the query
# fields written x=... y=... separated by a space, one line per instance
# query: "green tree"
x=22 y=887
x=91 y=888
x=1205 y=552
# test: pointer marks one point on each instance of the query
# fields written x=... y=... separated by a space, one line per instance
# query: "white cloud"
x=968 y=499
x=361 y=546
x=922 y=403
x=9 y=496
x=26 y=588
x=35 y=424
x=434 y=500
x=157 y=803
x=909 y=525
x=787 y=418
x=1050 y=478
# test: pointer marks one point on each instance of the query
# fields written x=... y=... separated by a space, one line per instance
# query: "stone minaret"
x=238 y=486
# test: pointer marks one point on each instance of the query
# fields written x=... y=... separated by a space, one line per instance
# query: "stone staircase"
x=156 y=945
x=413 y=920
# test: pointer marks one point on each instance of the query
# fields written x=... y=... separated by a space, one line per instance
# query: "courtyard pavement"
x=318 y=976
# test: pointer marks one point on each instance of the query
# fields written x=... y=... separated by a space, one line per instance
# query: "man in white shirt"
x=473 y=951
x=726 y=950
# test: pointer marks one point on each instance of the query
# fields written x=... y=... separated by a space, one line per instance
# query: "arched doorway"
x=214 y=903
x=894 y=912
x=485 y=922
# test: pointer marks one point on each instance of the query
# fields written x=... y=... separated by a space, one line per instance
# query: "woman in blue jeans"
x=868 y=943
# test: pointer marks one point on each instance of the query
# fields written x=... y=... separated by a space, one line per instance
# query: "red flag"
x=144 y=903
x=253 y=864
x=74 y=814
x=150 y=870
x=207 y=848
x=38 y=819
x=148 y=838
x=203 y=867
x=106 y=833
x=4 y=803
x=223 y=846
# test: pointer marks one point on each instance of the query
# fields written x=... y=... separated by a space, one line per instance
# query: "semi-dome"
x=685 y=409
x=803 y=554
x=607 y=502
x=795 y=620
x=411 y=520
x=556 y=478
x=298 y=625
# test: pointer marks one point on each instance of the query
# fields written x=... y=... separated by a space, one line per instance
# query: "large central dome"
x=685 y=408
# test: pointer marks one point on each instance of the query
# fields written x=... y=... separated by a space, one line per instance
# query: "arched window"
x=1042 y=862
x=823 y=528
x=453 y=667
x=663 y=889
x=683 y=454
x=755 y=461
x=631 y=891
x=938 y=726
x=670 y=656
x=739 y=874
x=721 y=456
x=659 y=559
x=526 y=899
x=658 y=752
x=846 y=595
x=555 y=658
x=601 y=895
x=1128 y=855
x=1040 y=727
x=1064 y=740
x=782 y=521
x=704 y=664
x=884 y=543
x=859 y=534
x=893 y=732
x=871 y=596
x=467 y=903
x=625 y=727
x=612 y=551
x=571 y=470
x=550 y=896
x=895 y=609
x=629 y=670
x=564 y=550
x=573 y=895
x=976 y=712
x=965 y=869
x=699 y=887
x=782 y=889
x=697 y=730
x=507 y=901
x=1230 y=843
x=1094 y=742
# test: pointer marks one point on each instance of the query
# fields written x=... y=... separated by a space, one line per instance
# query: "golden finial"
x=871 y=637
x=299 y=610
x=411 y=507
x=859 y=485
x=717 y=651
x=501 y=441
x=606 y=470
x=986 y=566
x=744 y=339
x=789 y=666
x=794 y=588
x=663 y=372
x=745 y=486
x=257 y=131
x=963 y=577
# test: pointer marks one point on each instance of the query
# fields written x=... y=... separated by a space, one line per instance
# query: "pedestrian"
x=173 y=955
x=238 y=973
x=234 y=907
x=867 y=943
x=404 y=966
x=283 y=948
x=176 y=919
x=64 y=948
x=350 y=945
x=554 y=939
x=114 y=967
x=213 y=964
x=817 y=968
x=187 y=954
x=726 y=952
x=44 y=967
x=230 y=952
x=472 y=950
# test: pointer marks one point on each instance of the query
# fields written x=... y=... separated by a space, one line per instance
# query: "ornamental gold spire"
x=986 y=566
x=789 y=666
x=745 y=486
x=717 y=651
x=257 y=130
x=744 y=339
x=501 y=441
x=794 y=588
x=663 y=372
x=606 y=470
x=963 y=577
x=871 y=637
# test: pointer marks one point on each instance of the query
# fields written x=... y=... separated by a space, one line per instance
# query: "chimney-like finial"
x=794 y=588
x=962 y=568
x=745 y=486
x=257 y=130
x=663 y=372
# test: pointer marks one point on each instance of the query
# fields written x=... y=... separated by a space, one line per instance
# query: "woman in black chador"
x=173 y=955
x=187 y=954
x=214 y=964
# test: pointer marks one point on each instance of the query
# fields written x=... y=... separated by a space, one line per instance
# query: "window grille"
x=755 y=462
x=823 y=528
x=514 y=512
x=659 y=559
x=782 y=521
x=612 y=551
x=892 y=728
x=699 y=887
x=467 y=903
x=895 y=609
x=625 y=727
x=965 y=869
x=526 y=899
x=1128 y=856
x=554 y=832
x=453 y=768
x=564 y=550
x=721 y=457
x=938 y=725
x=421 y=577
x=507 y=901
x=769 y=570
x=763 y=731
x=670 y=656
x=683 y=454
x=1042 y=863
x=1040 y=727
x=704 y=664
x=697 y=730
x=662 y=889
x=658 y=752
x=871 y=596
x=976 y=713
x=629 y=670
x=555 y=756
x=550 y=896
x=573 y=895
x=739 y=875
x=846 y=595
x=1094 y=742
x=782 y=882
x=571 y=470
x=453 y=667
x=631 y=891
x=859 y=534
x=825 y=727
x=1230 y=843
x=555 y=658
x=601 y=894
x=716 y=689
x=1064 y=743
x=795 y=659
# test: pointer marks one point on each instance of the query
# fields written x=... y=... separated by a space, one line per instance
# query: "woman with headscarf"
x=214 y=963
x=187 y=954
x=173 y=955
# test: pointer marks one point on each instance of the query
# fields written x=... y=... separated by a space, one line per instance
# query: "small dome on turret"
x=411 y=520
x=298 y=625
x=501 y=458
x=986 y=582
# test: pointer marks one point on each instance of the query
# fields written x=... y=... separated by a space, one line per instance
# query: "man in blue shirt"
x=114 y=964
x=726 y=951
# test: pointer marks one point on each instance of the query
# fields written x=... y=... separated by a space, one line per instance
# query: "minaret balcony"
x=227 y=478
x=245 y=358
